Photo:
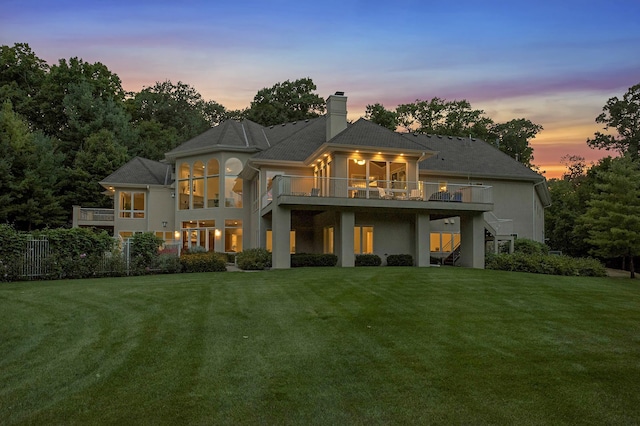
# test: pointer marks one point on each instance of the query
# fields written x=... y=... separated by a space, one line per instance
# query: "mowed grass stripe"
x=322 y=346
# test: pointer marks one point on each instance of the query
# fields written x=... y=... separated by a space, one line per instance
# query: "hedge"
x=203 y=262
x=368 y=260
x=546 y=264
x=399 y=260
x=254 y=259
x=299 y=260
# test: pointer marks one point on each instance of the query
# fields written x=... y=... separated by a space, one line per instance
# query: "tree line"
x=596 y=209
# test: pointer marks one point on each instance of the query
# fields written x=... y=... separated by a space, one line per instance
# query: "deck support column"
x=280 y=231
x=423 y=240
x=472 y=241
x=344 y=237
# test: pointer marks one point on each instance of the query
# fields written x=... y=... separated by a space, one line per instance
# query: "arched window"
x=232 y=183
x=213 y=183
x=197 y=185
x=184 y=189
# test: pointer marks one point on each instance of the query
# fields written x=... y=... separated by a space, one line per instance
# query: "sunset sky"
x=553 y=62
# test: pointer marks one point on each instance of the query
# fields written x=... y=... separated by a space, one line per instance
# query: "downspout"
x=533 y=206
x=259 y=204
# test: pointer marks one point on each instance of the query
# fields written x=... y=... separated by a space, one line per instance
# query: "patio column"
x=344 y=237
x=472 y=241
x=423 y=241
x=280 y=230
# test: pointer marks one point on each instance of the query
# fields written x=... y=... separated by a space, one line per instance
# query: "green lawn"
x=322 y=346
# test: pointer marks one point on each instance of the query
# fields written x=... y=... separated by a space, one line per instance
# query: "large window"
x=232 y=183
x=292 y=241
x=213 y=183
x=197 y=185
x=199 y=233
x=363 y=239
x=327 y=240
x=132 y=205
x=233 y=235
x=184 y=186
x=366 y=176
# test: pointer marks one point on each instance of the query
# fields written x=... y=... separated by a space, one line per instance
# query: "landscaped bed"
x=322 y=346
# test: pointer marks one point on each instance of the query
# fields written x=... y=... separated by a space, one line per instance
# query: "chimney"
x=336 y=114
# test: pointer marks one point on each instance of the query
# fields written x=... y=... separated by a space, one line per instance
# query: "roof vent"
x=284 y=124
x=271 y=127
x=450 y=137
x=339 y=93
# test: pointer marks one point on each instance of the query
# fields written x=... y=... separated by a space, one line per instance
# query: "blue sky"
x=553 y=62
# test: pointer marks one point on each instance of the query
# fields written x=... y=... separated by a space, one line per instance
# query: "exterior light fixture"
x=164 y=223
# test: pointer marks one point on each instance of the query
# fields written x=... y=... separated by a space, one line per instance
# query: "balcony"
x=84 y=216
x=305 y=190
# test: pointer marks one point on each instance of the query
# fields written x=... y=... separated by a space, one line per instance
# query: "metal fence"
x=35 y=263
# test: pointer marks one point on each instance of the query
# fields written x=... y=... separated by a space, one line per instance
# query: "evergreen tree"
x=613 y=214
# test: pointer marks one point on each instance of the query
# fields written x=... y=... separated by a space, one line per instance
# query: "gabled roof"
x=294 y=141
x=230 y=134
x=140 y=171
x=366 y=134
x=470 y=157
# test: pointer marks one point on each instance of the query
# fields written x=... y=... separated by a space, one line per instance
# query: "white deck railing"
x=308 y=186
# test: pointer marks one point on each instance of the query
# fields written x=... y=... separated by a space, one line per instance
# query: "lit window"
x=233 y=235
x=132 y=205
x=363 y=239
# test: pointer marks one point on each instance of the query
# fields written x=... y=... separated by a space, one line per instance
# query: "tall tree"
x=177 y=109
x=58 y=85
x=439 y=116
x=623 y=116
x=513 y=138
x=29 y=172
x=613 y=213
x=286 y=101
x=381 y=116
x=22 y=74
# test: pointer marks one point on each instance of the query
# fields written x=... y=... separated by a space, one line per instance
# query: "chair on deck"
x=415 y=195
x=315 y=192
x=383 y=194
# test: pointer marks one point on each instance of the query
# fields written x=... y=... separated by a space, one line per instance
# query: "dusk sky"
x=553 y=62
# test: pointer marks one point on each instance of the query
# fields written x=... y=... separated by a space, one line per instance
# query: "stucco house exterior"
x=324 y=185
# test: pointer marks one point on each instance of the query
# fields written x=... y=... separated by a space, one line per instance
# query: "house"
x=324 y=185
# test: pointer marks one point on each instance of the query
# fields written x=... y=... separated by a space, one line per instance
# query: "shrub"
x=144 y=250
x=167 y=263
x=203 y=262
x=399 y=260
x=12 y=244
x=308 y=259
x=526 y=246
x=254 y=259
x=545 y=264
x=368 y=260
x=195 y=250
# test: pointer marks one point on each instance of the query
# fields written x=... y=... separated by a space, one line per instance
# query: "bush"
x=12 y=244
x=368 y=260
x=307 y=259
x=545 y=264
x=144 y=250
x=167 y=263
x=254 y=259
x=399 y=260
x=203 y=262
x=526 y=246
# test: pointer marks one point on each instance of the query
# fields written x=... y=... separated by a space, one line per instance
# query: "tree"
x=29 y=172
x=576 y=167
x=285 y=102
x=381 y=116
x=513 y=138
x=613 y=213
x=624 y=117
x=59 y=83
x=442 y=117
x=21 y=76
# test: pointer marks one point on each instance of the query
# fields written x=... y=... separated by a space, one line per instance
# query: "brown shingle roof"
x=469 y=157
x=140 y=171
